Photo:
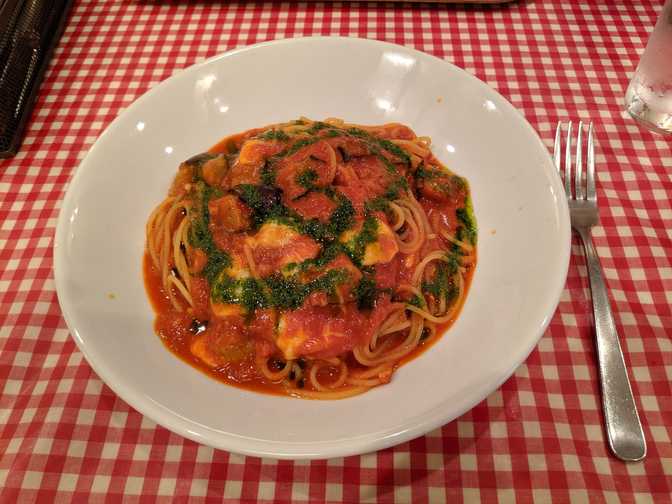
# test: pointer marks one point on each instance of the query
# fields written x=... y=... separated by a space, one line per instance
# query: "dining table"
x=65 y=436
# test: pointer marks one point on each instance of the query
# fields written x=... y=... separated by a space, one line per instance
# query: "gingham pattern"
x=64 y=435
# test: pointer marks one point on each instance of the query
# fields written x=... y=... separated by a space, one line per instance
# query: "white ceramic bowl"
x=524 y=240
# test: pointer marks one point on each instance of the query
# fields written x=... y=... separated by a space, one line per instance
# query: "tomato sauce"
x=175 y=328
x=228 y=347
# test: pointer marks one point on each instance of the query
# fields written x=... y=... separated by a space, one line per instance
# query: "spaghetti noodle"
x=310 y=258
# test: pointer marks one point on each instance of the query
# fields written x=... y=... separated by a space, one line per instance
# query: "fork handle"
x=624 y=430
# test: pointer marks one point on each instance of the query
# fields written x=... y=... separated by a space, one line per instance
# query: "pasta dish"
x=310 y=258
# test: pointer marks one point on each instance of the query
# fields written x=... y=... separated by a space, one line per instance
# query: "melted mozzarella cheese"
x=290 y=341
x=237 y=271
x=380 y=251
x=272 y=235
x=276 y=245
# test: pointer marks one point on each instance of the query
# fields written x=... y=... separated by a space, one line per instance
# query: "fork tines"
x=580 y=191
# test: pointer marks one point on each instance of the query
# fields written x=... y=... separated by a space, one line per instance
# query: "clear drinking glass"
x=649 y=95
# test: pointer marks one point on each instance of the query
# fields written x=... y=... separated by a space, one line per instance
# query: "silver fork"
x=624 y=430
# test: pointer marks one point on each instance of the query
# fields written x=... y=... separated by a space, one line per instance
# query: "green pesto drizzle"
x=268 y=175
x=274 y=134
x=416 y=301
x=307 y=178
x=441 y=285
x=465 y=216
x=286 y=291
x=390 y=147
x=423 y=172
x=341 y=219
x=263 y=202
x=366 y=292
x=296 y=147
x=200 y=235
x=276 y=291
x=317 y=126
x=357 y=245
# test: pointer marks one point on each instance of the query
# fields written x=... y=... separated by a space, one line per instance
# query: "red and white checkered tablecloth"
x=66 y=436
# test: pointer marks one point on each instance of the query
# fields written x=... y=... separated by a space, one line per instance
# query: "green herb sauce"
x=465 y=216
x=416 y=301
x=366 y=292
x=276 y=291
x=200 y=236
x=307 y=178
x=442 y=284
x=357 y=246
x=273 y=134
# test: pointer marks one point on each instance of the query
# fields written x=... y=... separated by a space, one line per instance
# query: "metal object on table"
x=624 y=429
x=29 y=30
